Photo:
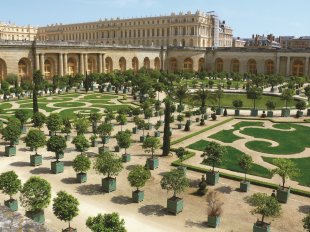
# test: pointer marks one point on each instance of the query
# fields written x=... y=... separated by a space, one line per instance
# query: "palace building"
x=9 y=31
x=180 y=30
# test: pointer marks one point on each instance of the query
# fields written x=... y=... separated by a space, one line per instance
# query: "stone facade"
x=70 y=58
x=185 y=30
x=10 y=31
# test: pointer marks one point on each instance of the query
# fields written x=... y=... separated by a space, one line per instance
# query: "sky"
x=246 y=17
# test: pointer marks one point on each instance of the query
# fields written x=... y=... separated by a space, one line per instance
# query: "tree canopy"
x=106 y=223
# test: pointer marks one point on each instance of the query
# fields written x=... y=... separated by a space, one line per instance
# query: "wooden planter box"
x=180 y=126
x=254 y=112
x=35 y=160
x=244 y=186
x=135 y=130
x=103 y=150
x=105 y=140
x=308 y=112
x=142 y=138
x=23 y=129
x=152 y=163
x=94 y=143
x=261 y=227
x=269 y=114
x=109 y=184
x=69 y=230
x=137 y=196
x=57 y=167
x=10 y=151
x=37 y=216
x=126 y=158
x=219 y=111
x=116 y=148
x=214 y=221
x=237 y=112
x=283 y=194
x=12 y=204
x=81 y=177
x=300 y=113
x=285 y=112
x=212 y=177
x=157 y=134
x=175 y=205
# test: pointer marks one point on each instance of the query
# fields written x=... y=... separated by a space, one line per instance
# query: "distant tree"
x=54 y=122
x=254 y=93
x=22 y=116
x=287 y=96
x=245 y=163
x=181 y=153
x=81 y=143
x=12 y=131
x=81 y=125
x=285 y=169
x=213 y=153
x=35 y=139
x=57 y=144
x=138 y=176
x=122 y=120
x=106 y=223
x=81 y=163
x=151 y=144
x=271 y=105
x=10 y=184
x=123 y=139
x=108 y=164
x=38 y=119
x=174 y=180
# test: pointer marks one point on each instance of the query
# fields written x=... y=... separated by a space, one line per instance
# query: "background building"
x=9 y=31
x=180 y=30
x=294 y=43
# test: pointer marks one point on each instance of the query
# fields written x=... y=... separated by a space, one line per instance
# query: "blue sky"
x=246 y=17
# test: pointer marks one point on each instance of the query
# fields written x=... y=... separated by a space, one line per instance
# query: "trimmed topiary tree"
x=11 y=133
x=22 y=116
x=65 y=208
x=94 y=118
x=123 y=139
x=300 y=106
x=271 y=105
x=285 y=169
x=38 y=119
x=81 y=125
x=254 y=93
x=66 y=128
x=104 y=130
x=151 y=144
x=81 y=164
x=213 y=154
x=109 y=165
x=81 y=143
x=287 y=96
x=181 y=154
x=10 y=184
x=34 y=140
x=265 y=205
x=54 y=123
x=35 y=196
x=57 y=144
x=137 y=178
x=175 y=181
x=246 y=163
x=237 y=104
x=107 y=222
x=122 y=120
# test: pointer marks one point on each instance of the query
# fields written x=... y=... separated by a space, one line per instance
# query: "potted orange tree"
x=214 y=209
x=10 y=184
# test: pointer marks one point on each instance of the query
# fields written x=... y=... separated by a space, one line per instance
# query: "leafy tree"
x=108 y=164
x=81 y=125
x=57 y=144
x=237 y=104
x=35 y=139
x=22 y=116
x=213 y=153
x=123 y=139
x=167 y=132
x=136 y=111
x=285 y=169
x=138 y=176
x=109 y=115
x=181 y=154
x=151 y=144
x=122 y=120
x=35 y=194
x=180 y=118
x=106 y=223
x=81 y=163
x=12 y=131
x=181 y=93
x=37 y=85
x=271 y=105
x=202 y=95
x=81 y=143
x=67 y=127
x=10 y=184
x=38 y=119
x=141 y=125
x=306 y=222
x=245 y=163
x=307 y=92
x=54 y=122
x=94 y=118
x=219 y=93
x=287 y=96
x=301 y=105
x=105 y=129
x=265 y=205
x=254 y=93
x=65 y=207
x=174 y=180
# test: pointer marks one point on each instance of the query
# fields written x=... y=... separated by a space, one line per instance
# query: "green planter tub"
x=12 y=204
x=175 y=205
x=94 y=143
x=142 y=138
x=237 y=112
x=212 y=177
x=69 y=230
x=261 y=227
x=285 y=112
x=81 y=177
x=254 y=112
x=152 y=163
x=103 y=150
x=214 y=221
x=180 y=126
x=269 y=114
x=109 y=184
x=219 y=111
x=57 y=167
x=126 y=158
x=37 y=216
x=157 y=134
x=116 y=148
x=36 y=160
x=135 y=130
x=283 y=194
x=10 y=151
x=105 y=140
x=137 y=196
x=244 y=186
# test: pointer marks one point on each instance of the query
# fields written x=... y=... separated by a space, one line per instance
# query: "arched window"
x=157 y=63
x=188 y=65
x=72 y=66
x=235 y=65
x=252 y=66
x=201 y=65
x=173 y=64
x=24 y=70
x=191 y=43
x=135 y=64
x=298 y=68
x=108 y=64
x=48 y=69
x=183 y=43
x=122 y=64
x=219 y=65
x=269 y=67
x=2 y=69
x=146 y=63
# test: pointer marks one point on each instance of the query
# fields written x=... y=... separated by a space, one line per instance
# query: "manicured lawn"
x=113 y=107
x=99 y=101
x=41 y=106
x=231 y=159
x=69 y=104
x=71 y=113
x=4 y=106
x=290 y=142
x=98 y=96
x=303 y=165
x=12 y=111
x=227 y=136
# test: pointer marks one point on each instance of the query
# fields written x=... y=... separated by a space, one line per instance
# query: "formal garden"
x=122 y=151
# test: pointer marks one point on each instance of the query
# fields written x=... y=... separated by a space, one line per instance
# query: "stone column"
x=42 y=63
x=278 y=65
x=82 y=63
x=100 y=63
x=288 y=64
x=103 y=63
x=85 y=62
x=307 y=67
x=61 y=65
x=65 y=60
x=37 y=61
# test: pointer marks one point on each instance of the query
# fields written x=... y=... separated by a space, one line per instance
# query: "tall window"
x=2 y=69
x=122 y=64
x=48 y=69
x=146 y=63
x=173 y=64
x=219 y=65
x=235 y=65
x=269 y=67
x=72 y=66
x=201 y=64
x=298 y=68
x=157 y=63
x=108 y=64
x=252 y=66
x=135 y=64
x=188 y=65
